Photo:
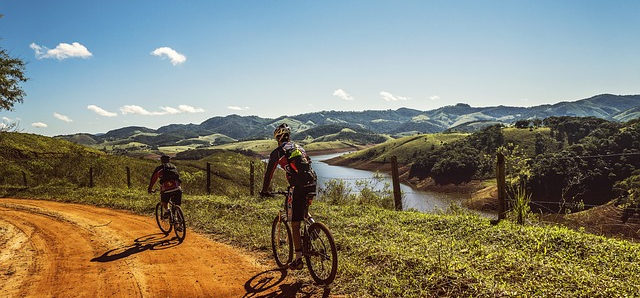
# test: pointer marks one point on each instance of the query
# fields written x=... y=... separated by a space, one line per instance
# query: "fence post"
x=397 y=196
x=251 y=179
x=501 y=181
x=24 y=179
x=208 y=178
x=128 y=177
x=90 y=176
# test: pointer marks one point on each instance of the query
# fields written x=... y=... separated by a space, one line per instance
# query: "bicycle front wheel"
x=164 y=224
x=180 y=226
x=281 y=242
x=321 y=255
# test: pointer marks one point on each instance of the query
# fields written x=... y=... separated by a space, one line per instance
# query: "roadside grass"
x=411 y=254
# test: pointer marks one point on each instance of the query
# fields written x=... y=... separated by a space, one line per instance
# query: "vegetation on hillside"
x=53 y=162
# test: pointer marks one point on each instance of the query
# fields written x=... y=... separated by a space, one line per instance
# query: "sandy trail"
x=57 y=249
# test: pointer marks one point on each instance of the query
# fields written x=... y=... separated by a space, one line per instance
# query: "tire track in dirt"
x=57 y=249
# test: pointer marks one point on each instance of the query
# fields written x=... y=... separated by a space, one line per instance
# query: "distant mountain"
x=402 y=121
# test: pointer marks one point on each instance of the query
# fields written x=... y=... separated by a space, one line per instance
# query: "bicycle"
x=174 y=222
x=318 y=247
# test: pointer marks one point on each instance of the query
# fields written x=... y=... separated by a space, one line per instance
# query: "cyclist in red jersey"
x=302 y=180
x=170 y=181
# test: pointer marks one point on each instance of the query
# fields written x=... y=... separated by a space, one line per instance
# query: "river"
x=425 y=201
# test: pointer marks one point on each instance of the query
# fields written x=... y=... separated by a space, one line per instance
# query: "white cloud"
x=138 y=110
x=342 y=94
x=237 y=108
x=134 y=109
x=62 y=117
x=100 y=111
x=434 y=97
x=170 y=110
x=390 y=97
x=167 y=52
x=62 y=51
x=190 y=109
x=39 y=124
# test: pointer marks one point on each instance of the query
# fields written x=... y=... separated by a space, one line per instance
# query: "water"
x=425 y=201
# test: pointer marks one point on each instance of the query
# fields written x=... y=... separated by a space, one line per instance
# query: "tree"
x=522 y=123
x=11 y=75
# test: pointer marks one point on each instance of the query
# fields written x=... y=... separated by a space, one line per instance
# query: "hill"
x=401 y=122
x=58 y=163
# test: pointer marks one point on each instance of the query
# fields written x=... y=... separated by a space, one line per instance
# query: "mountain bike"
x=318 y=247
x=175 y=221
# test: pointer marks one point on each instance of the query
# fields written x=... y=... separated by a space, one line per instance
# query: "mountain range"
x=403 y=121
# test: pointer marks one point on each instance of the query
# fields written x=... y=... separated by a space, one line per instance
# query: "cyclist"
x=169 y=184
x=302 y=181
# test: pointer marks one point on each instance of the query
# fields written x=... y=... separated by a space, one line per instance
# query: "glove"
x=264 y=194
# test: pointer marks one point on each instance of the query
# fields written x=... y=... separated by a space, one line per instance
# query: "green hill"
x=59 y=163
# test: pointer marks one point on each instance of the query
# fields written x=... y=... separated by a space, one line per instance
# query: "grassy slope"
x=229 y=169
x=404 y=148
x=410 y=254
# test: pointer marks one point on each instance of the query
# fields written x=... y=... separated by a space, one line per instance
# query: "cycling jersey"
x=294 y=161
x=166 y=185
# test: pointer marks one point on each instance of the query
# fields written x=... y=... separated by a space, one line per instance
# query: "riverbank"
x=470 y=188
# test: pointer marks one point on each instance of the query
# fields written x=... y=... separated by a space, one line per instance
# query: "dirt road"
x=56 y=249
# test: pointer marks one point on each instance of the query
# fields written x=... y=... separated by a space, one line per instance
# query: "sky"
x=100 y=65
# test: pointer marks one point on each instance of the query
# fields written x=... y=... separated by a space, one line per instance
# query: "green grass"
x=405 y=148
x=526 y=138
x=229 y=169
x=411 y=254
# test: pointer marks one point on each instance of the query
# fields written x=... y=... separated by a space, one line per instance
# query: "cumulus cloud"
x=340 y=93
x=62 y=51
x=100 y=111
x=390 y=97
x=39 y=124
x=190 y=109
x=62 y=117
x=138 y=110
x=167 y=52
x=237 y=108
x=434 y=97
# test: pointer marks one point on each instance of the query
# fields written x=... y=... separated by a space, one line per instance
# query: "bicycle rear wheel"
x=164 y=224
x=180 y=226
x=321 y=255
x=281 y=242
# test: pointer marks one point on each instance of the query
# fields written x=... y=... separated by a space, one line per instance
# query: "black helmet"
x=165 y=158
x=281 y=131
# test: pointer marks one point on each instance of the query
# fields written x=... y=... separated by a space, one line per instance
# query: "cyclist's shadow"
x=264 y=285
x=155 y=241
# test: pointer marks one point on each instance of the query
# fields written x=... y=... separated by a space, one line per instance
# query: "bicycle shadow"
x=269 y=284
x=157 y=241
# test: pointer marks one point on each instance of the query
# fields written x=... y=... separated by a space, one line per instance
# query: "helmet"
x=281 y=131
x=165 y=158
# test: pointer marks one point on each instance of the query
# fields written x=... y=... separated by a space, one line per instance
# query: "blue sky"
x=271 y=58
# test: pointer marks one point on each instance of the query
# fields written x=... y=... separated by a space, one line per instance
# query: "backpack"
x=169 y=173
x=298 y=160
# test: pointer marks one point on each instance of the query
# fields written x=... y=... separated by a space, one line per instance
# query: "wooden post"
x=251 y=179
x=24 y=179
x=501 y=181
x=90 y=176
x=208 y=178
x=128 y=177
x=397 y=196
